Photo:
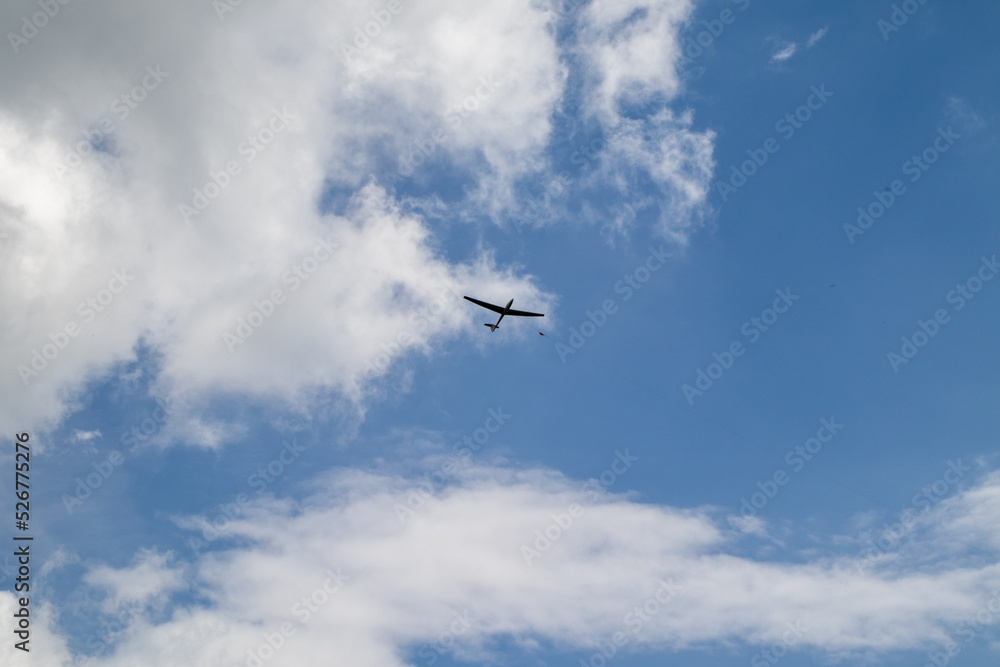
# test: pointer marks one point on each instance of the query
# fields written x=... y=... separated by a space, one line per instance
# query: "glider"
x=503 y=310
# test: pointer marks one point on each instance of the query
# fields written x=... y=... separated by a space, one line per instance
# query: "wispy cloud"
x=960 y=112
x=785 y=50
x=784 y=53
x=150 y=578
x=816 y=36
x=462 y=553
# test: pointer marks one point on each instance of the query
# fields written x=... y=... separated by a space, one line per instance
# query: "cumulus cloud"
x=164 y=172
x=633 y=49
x=147 y=581
x=346 y=576
x=46 y=647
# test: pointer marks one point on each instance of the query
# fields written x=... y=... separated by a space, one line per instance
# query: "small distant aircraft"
x=503 y=310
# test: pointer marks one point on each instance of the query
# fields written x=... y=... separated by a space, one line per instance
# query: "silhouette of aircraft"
x=503 y=310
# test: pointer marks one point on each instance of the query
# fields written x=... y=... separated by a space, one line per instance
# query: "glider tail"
x=493 y=327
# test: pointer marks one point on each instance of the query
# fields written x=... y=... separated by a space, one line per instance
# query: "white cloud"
x=633 y=49
x=58 y=560
x=102 y=248
x=461 y=552
x=816 y=36
x=147 y=581
x=960 y=112
x=46 y=648
x=785 y=52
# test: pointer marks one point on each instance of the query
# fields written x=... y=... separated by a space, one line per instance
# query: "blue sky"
x=372 y=445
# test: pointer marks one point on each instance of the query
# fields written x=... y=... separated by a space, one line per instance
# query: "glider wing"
x=488 y=306
x=521 y=313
